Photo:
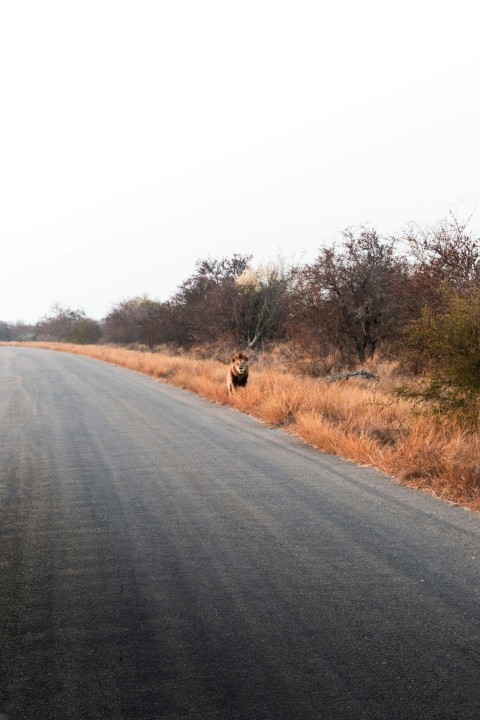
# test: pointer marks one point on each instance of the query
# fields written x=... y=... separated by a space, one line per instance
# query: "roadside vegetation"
x=405 y=309
x=357 y=419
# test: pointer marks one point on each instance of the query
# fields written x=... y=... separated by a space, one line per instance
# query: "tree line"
x=363 y=294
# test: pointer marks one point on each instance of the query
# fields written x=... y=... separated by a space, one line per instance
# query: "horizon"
x=141 y=138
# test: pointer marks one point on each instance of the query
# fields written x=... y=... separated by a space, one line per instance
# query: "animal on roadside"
x=237 y=375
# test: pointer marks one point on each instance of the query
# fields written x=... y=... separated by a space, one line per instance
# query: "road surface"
x=165 y=557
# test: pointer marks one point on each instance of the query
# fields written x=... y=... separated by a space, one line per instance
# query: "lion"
x=237 y=375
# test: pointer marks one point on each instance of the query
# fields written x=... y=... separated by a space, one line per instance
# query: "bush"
x=447 y=345
x=67 y=325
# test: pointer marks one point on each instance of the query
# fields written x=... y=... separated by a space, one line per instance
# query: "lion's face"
x=240 y=364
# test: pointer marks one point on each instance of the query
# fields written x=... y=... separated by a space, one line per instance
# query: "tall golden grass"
x=356 y=419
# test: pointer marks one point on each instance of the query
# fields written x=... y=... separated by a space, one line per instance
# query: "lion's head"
x=239 y=364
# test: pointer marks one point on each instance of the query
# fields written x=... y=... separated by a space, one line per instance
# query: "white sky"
x=137 y=136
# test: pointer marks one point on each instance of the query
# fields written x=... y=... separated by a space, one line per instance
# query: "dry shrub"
x=355 y=419
x=439 y=456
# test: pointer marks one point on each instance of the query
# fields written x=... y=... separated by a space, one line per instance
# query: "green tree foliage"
x=447 y=345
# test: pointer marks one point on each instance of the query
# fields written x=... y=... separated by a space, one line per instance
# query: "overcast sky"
x=137 y=137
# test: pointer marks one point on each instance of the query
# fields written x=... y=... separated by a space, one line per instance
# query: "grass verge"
x=355 y=419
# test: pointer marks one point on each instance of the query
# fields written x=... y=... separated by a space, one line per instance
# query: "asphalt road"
x=164 y=557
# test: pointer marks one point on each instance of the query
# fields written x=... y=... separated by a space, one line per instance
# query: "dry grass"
x=355 y=419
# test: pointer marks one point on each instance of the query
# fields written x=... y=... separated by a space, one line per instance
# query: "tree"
x=120 y=325
x=68 y=325
x=85 y=331
x=153 y=320
x=444 y=255
x=20 y=332
x=227 y=299
x=347 y=299
x=5 y=332
x=142 y=320
x=204 y=304
x=261 y=303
